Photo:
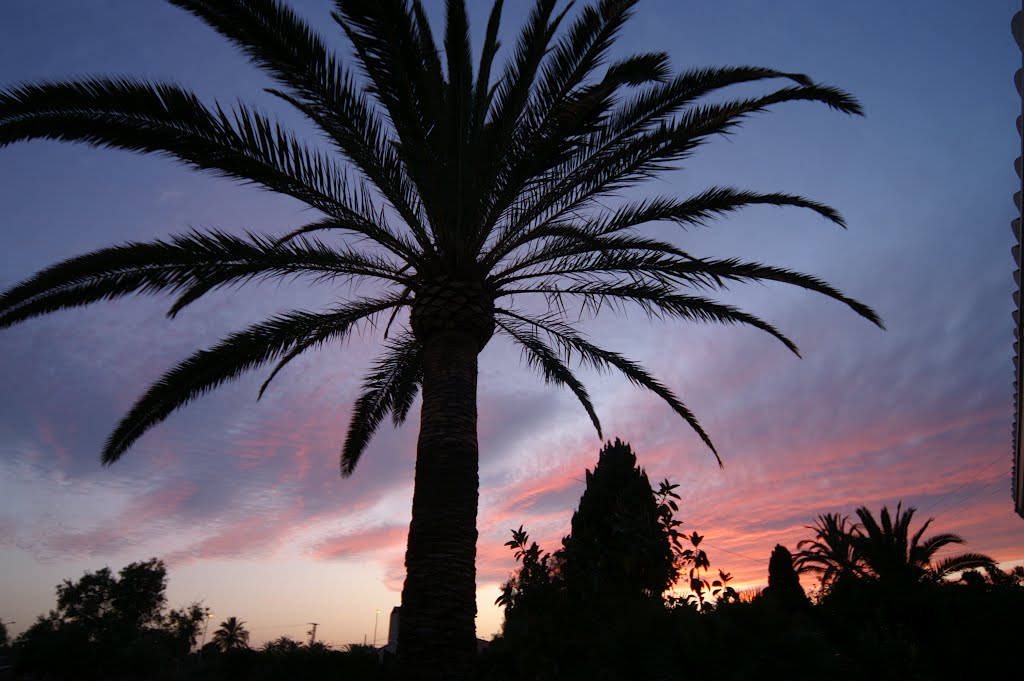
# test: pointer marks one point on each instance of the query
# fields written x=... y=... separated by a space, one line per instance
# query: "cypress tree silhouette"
x=618 y=549
x=783 y=583
x=594 y=609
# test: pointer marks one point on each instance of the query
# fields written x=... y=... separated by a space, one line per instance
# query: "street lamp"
x=206 y=625
x=375 y=617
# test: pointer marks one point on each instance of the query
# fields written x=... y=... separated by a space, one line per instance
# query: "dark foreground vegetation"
x=629 y=595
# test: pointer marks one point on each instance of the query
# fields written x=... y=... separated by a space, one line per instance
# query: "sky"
x=243 y=499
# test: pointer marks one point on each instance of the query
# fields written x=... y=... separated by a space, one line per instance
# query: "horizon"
x=243 y=498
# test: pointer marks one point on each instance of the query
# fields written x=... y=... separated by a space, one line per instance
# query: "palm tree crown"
x=890 y=553
x=882 y=549
x=472 y=192
x=457 y=192
x=831 y=554
x=231 y=635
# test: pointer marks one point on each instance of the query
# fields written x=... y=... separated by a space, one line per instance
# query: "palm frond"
x=591 y=258
x=541 y=357
x=959 y=563
x=482 y=92
x=321 y=225
x=656 y=301
x=704 y=207
x=932 y=544
x=915 y=541
x=390 y=388
x=190 y=265
x=736 y=270
x=272 y=36
x=262 y=260
x=394 y=54
x=656 y=105
x=598 y=358
x=457 y=133
x=161 y=118
x=578 y=53
x=641 y=69
x=696 y=210
x=514 y=86
x=239 y=352
x=560 y=107
x=600 y=169
x=568 y=251
x=653 y=108
x=832 y=553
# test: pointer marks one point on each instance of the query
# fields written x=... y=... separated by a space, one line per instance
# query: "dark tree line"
x=886 y=605
x=116 y=626
x=627 y=595
x=109 y=625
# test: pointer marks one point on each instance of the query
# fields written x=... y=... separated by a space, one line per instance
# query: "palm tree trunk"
x=437 y=630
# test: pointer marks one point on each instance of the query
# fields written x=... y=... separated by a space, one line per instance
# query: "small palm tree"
x=455 y=196
x=284 y=645
x=231 y=635
x=831 y=554
x=890 y=554
x=881 y=550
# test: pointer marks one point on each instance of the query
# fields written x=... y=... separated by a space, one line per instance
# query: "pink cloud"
x=49 y=436
x=130 y=527
x=246 y=538
x=371 y=540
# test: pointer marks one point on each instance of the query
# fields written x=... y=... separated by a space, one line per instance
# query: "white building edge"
x=1017 y=28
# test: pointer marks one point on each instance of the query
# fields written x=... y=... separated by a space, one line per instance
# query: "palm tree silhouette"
x=892 y=555
x=283 y=645
x=881 y=550
x=456 y=196
x=231 y=635
x=831 y=555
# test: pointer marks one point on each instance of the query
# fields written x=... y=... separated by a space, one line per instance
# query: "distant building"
x=1017 y=28
x=393 y=624
x=392 y=645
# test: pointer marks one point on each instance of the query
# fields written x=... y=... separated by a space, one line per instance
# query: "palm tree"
x=831 y=554
x=232 y=635
x=284 y=645
x=450 y=193
x=883 y=551
x=890 y=554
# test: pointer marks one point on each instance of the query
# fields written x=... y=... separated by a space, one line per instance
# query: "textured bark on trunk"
x=437 y=630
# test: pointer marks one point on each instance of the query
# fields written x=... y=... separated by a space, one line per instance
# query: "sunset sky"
x=243 y=498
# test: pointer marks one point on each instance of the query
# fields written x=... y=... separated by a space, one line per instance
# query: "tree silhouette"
x=464 y=189
x=892 y=555
x=185 y=624
x=231 y=635
x=599 y=607
x=617 y=547
x=108 y=624
x=107 y=605
x=783 y=583
x=882 y=550
x=831 y=554
x=284 y=645
x=588 y=610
